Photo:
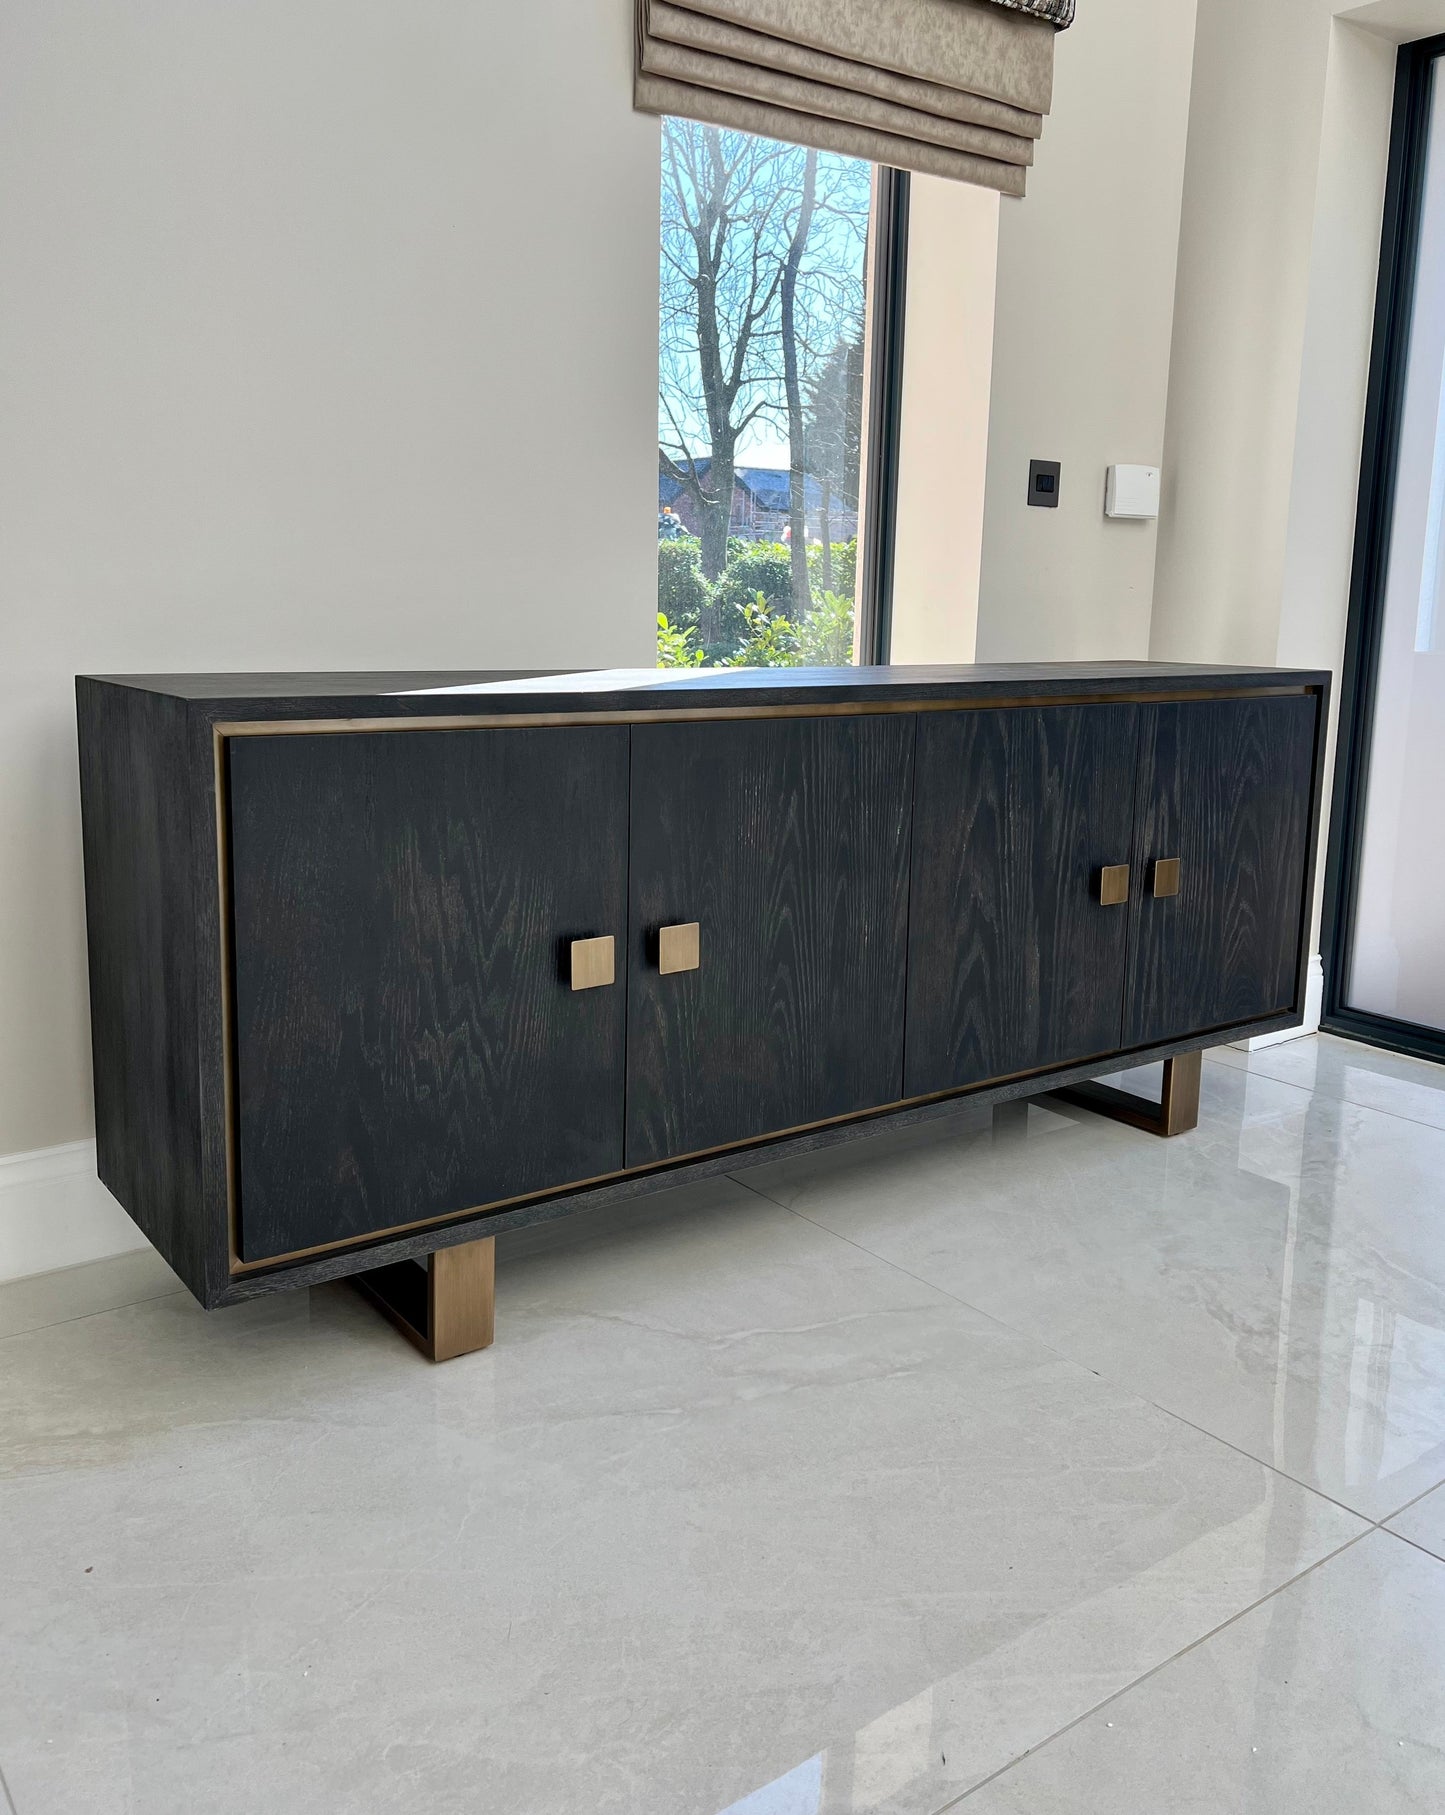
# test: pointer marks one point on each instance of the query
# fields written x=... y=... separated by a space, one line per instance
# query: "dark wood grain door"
x=1014 y=964
x=1224 y=787
x=407 y=1040
x=786 y=841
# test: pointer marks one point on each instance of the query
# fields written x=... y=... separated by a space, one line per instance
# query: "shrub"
x=682 y=592
x=825 y=636
x=674 y=645
x=762 y=567
x=769 y=640
x=845 y=568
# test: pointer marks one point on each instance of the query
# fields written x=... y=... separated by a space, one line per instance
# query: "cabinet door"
x=1224 y=787
x=1014 y=964
x=407 y=1040
x=786 y=842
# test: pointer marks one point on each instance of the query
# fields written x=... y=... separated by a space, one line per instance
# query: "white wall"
x=1086 y=271
x=944 y=419
x=328 y=338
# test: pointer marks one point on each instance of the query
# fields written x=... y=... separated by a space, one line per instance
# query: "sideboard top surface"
x=433 y=693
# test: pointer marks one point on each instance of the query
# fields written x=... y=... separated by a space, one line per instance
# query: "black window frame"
x=889 y=278
x=1415 y=75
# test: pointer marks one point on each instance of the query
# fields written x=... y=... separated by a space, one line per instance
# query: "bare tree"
x=832 y=432
x=821 y=307
x=761 y=280
x=722 y=265
x=793 y=389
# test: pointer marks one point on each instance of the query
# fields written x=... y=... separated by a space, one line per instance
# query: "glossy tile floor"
x=1018 y=1463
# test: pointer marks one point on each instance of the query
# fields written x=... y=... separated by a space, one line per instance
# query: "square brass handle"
x=1166 y=877
x=1113 y=884
x=594 y=962
x=679 y=948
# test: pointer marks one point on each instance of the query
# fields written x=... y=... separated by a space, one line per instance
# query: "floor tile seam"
x=1414 y=1543
x=1154 y=1670
x=85 y=1316
x=1310 y=1091
x=1273 y=1467
x=1400 y=1511
x=1111 y=1379
x=1395 y=1115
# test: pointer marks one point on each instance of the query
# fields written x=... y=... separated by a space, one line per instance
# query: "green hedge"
x=743 y=621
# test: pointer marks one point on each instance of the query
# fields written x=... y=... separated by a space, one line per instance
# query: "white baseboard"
x=1314 y=1008
x=54 y=1212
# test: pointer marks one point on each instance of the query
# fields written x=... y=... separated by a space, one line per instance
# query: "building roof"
x=767 y=486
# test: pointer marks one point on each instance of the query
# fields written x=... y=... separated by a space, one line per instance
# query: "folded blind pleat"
x=954 y=88
x=773 y=89
x=698 y=31
x=659 y=95
x=969 y=44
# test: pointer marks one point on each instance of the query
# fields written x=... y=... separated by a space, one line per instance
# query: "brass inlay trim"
x=1166 y=877
x=594 y=962
x=495 y=721
x=1113 y=885
x=221 y=730
x=679 y=948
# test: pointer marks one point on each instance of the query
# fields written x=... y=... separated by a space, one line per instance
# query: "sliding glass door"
x=1387 y=970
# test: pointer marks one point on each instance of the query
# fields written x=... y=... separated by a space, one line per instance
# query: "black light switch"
x=1044 y=483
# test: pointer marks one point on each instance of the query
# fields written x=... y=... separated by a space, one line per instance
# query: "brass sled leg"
x=449 y=1308
x=1178 y=1109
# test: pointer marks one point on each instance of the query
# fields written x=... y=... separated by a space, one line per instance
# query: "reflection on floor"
x=1018 y=1462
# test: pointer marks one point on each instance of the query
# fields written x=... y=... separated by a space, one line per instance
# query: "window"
x=763 y=357
x=1385 y=974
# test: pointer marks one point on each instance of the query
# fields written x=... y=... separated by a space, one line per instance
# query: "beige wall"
x=1081 y=342
x=1324 y=461
x=1235 y=395
x=1253 y=160
x=943 y=438
x=307 y=308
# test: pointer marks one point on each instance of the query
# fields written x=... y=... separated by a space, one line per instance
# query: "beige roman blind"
x=955 y=88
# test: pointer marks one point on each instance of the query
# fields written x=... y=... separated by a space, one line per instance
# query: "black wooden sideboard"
x=383 y=964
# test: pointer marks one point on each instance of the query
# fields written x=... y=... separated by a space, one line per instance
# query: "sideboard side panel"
x=136 y=831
